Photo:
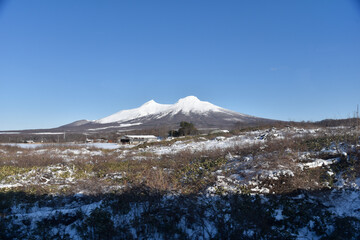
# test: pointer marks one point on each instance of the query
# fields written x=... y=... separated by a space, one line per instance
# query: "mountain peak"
x=193 y=104
x=152 y=114
x=187 y=106
x=189 y=100
x=151 y=102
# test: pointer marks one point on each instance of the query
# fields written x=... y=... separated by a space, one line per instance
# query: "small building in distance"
x=134 y=139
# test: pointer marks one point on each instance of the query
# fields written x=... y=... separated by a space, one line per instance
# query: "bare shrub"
x=158 y=180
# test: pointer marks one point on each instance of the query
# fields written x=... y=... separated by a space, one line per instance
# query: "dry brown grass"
x=184 y=171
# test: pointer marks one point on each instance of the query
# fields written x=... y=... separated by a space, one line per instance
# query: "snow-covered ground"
x=62 y=145
x=258 y=169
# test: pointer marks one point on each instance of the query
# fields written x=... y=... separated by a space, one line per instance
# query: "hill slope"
x=154 y=115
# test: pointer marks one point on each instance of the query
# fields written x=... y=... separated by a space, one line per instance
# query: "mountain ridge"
x=151 y=114
x=185 y=105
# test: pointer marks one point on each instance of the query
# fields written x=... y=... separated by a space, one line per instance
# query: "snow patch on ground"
x=318 y=163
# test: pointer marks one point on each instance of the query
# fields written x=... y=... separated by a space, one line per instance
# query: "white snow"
x=10 y=185
x=344 y=203
x=278 y=214
x=260 y=190
x=203 y=145
x=184 y=105
x=42 y=145
x=129 y=124
x=103 y=145
x=49 y=133
x=193 y=104
x=276 y=174
x=241 y=173
x=146 y=109
x=318 y=163
x=23 y=145
x=142 y=136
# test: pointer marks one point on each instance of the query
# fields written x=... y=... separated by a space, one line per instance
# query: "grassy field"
x=251 y=184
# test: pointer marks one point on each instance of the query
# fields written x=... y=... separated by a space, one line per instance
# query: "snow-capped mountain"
x=155 y=115
x=187 y=106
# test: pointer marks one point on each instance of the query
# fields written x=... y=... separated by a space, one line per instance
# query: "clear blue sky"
x=62 y=61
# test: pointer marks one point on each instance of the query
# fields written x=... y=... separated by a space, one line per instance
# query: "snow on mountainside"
x=193 y=104
x=148 y=108
x=187 y=105
x=153 y=115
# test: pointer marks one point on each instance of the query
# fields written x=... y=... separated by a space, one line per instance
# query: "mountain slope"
x=187 y=106
x=148 y=108
x=155 y=115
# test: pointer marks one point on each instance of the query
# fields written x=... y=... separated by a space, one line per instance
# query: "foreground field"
x=287 y=183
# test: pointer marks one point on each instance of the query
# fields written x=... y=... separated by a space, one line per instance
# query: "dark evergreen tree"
x=187 y=128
